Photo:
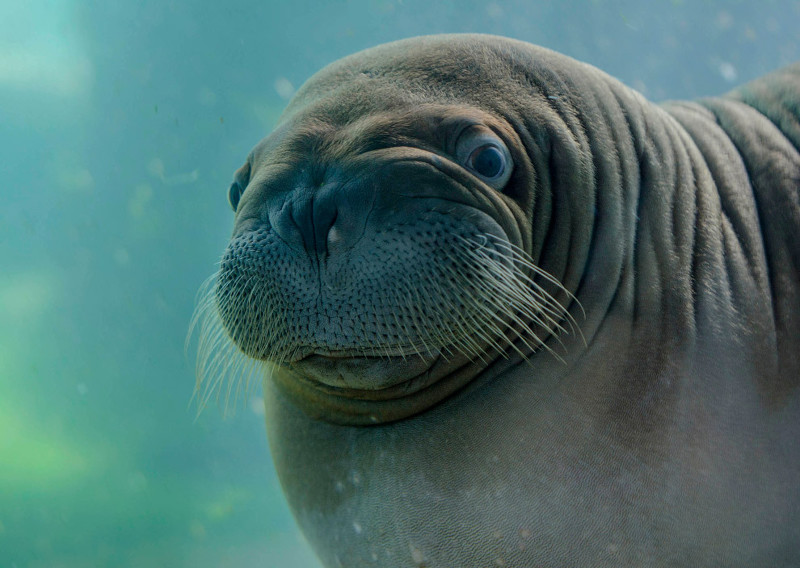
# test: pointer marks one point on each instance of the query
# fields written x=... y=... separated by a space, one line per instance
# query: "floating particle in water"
x=155 y=167
x=257 y=406
x=137 y=482
x=137 y=204
x=728 y=72
x=197 y=530
x=417 y=555
x=494 y=11
x=121 y=256
x=724 y=20
x=26 y=295
x=206 y=97
x=284 y=88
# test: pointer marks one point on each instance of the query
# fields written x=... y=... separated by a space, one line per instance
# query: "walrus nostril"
x=314 y=216
x=324 y=214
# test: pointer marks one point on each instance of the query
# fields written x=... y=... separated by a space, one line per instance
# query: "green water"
x=120 y=127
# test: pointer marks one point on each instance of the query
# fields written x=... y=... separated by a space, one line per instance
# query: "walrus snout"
x=325 y=218
x=313 y=216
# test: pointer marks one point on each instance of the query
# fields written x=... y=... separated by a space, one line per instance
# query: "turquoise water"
x=120 y=127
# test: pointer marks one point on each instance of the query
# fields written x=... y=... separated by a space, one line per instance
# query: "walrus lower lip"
x=360 y=354
x=342 y=369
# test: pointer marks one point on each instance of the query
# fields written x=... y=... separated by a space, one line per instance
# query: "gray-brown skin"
x=666 y=433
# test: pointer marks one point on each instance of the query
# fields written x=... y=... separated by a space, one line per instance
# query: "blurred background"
x=121 y=124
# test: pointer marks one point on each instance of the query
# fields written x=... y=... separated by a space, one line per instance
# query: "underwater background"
x=121 y=124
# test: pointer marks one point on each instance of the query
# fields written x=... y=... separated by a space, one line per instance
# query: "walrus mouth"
x=396 y=353
x=490 y=299
x=358 y=371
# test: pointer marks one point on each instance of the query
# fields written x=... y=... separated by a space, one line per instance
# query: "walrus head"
x=383 y=251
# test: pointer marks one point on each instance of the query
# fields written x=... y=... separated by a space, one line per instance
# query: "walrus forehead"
x=465 y=68
x=323 y=133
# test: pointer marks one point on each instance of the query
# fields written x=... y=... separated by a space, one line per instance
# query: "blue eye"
x=234 y=194
x=488 y=161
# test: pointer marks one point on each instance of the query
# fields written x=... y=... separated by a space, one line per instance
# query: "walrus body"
x=639 y=407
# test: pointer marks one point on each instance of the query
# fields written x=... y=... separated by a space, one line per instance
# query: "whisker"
x=480 y=297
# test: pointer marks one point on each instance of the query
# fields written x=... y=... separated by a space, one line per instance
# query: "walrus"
x=511 y=313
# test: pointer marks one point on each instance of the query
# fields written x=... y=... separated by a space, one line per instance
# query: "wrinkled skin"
x=665 y=433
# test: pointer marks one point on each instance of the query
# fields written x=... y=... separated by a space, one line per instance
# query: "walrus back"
x=750 y=141
x=777 y=97
x=762 y=119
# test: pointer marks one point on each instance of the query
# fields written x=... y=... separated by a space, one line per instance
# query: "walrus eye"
x=484 y=154
x=234 y=194
x=487 y=161
x=240 y=180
